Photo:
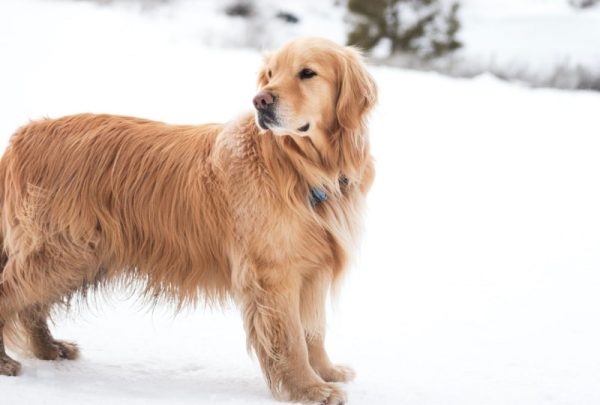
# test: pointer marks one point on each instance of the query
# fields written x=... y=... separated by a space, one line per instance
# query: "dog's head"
x=313 y=87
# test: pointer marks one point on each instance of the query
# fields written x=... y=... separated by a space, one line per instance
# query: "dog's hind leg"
x=29 y=288
x=8 y=366
x=34 y=322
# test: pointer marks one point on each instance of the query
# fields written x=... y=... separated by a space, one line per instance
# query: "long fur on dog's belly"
x=108 y=197
x=183 y=209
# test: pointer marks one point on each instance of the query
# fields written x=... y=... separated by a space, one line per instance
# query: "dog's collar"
x=318 y=195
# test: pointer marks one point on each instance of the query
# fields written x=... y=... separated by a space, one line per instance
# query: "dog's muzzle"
x=264 y=102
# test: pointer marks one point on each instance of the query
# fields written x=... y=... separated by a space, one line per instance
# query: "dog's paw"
x=337 y=373
x=67 y=350
x=322 y=394
x=58 y=349
x=9 y=366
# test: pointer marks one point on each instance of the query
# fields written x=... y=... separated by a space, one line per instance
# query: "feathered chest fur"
x=298 y=211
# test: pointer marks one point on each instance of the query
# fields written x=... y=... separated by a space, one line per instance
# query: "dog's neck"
x=299 y=166
x=318 y=172
x=311 y=162
x=340 y=153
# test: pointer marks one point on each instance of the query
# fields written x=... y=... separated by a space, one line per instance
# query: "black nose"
x=263 y=100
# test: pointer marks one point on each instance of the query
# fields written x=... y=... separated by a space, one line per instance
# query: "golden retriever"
x=264 y=210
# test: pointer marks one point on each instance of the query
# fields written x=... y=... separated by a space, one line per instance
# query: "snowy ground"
x=479 y=275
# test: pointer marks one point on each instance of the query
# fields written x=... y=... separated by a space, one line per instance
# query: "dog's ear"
x=357 y=92
x=263 y=73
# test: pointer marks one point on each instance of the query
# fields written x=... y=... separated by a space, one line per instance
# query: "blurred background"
x=478 y=277
x=539 y=42
x=551 y=43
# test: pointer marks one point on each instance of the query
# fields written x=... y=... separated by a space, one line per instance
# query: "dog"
x=264 y=210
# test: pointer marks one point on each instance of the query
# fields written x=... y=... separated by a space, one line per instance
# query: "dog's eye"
x=270 y=73
x=306 y=74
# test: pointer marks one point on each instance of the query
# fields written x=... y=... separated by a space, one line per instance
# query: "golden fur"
x=212 y=211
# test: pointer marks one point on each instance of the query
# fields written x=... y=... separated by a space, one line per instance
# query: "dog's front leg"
x=312 y=312
x=274 y=330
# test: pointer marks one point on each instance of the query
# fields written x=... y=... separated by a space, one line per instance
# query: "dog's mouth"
x=304 y=128
x=266 y=119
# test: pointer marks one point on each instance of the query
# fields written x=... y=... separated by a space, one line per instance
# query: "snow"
x=477 y=282
x=524 y=39
x=530 y=40
x=535 y=37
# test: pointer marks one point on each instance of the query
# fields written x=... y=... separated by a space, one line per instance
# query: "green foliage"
x=371 y=26
x=425 y=28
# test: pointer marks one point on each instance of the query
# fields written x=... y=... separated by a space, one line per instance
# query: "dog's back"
x=87 y=194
